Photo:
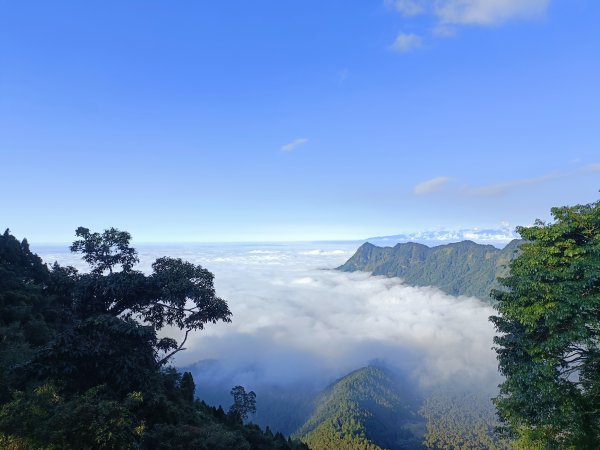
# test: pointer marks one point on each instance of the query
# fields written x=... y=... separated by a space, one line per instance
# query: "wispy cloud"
x=487 y=12
x=446 y=16
x=471 y=12
x=437 y=184
x=407 y=7
x=503 y=187
x=294 y=144
x=406 y=42
x=430 y=186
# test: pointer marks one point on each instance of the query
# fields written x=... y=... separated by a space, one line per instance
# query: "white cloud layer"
x=294 y=322
x=294 y=144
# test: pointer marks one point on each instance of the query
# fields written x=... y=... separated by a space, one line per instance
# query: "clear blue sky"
x=286 y=120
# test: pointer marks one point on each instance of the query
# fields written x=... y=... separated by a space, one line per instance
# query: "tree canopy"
x=244 y=403
x=549 y=329
x=177 y=293
x=105 y=251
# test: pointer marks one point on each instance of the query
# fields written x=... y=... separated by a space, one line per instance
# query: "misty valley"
x=320 y=345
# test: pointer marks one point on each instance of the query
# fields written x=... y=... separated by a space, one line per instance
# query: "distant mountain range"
x=498 y=237
x=461 y=268
x=370 y=409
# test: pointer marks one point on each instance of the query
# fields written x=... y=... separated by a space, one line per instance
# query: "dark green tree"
x=105 y=251
x=549 y=329
x=244 y=403
x=188 y=387
x=177 y=293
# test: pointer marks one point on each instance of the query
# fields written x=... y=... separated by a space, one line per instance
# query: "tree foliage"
x=244 y=403
x=177 y=293
x=549 y=329
x=105 y=251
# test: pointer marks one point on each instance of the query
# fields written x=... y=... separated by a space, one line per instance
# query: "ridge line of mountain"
x=459 y=268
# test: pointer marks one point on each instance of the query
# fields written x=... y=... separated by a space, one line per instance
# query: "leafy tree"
x=549 y=329
x=98 y=350
x=188 y=387
x=105 y=251
x=244 y=403
x=176 y=294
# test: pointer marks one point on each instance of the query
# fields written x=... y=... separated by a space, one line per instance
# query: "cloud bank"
x=297 y=321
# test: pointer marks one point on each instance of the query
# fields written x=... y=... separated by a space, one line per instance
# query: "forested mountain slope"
x=462 y=268
x=368 y=409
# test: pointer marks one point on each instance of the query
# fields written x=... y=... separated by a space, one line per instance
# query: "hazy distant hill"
x=369 y=409
x=494 y=236
x=462 y=268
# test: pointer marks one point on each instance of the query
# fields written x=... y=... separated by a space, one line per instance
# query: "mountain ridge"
x=459 y=268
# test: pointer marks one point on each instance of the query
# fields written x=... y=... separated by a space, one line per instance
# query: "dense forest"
x=461 y=420
x=371 y=408
x=81 y=366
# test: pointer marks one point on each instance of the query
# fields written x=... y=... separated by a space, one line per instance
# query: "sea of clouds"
x=297 y=320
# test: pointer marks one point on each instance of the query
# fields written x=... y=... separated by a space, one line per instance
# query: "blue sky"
x=294 y=120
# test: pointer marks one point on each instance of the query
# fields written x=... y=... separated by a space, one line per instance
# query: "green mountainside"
x=368 y=409
x=462 y=268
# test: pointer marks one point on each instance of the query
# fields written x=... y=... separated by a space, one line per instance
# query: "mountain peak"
x=369 y=408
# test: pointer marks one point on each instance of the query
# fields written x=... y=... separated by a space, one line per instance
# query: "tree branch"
x=166 y=358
